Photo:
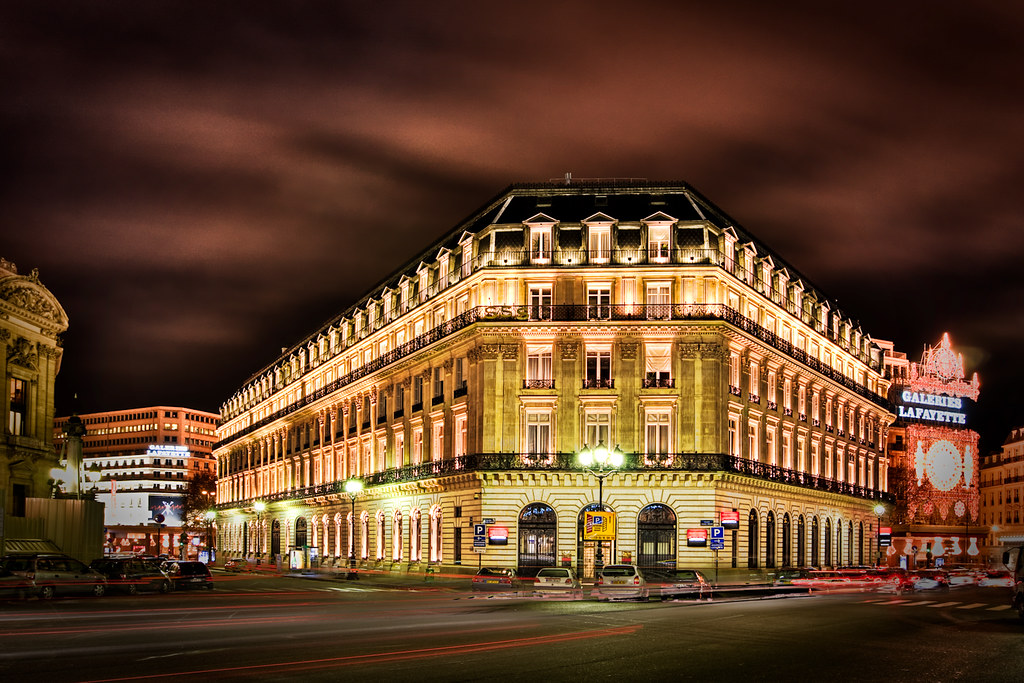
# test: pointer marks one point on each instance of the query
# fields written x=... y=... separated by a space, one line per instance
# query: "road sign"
x=488 y=520
x=696 y=538
x=707 y=522
x=718 y=533
x=717 y=544
x=479 y=529
x=479 y=536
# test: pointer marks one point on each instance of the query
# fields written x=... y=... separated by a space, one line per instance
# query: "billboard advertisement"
x=598 y=526
x=169 y=506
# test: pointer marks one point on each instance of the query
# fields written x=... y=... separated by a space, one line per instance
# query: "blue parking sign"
x=718 y=532
x=717 y=544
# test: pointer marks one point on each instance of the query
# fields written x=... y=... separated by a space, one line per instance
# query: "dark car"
x=52 y=574
x=14 y=586
x=132 y=574
x=496 y=579
x=674 y=583
x=189 y=575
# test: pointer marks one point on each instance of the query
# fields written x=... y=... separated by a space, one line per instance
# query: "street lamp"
x=879 y=511
x=259 y=506
x=353 y=487
x=209 y=516
x=600 y=462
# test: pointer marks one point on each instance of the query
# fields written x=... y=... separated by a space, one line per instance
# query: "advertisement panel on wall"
x=598 y=526
x=169 y=506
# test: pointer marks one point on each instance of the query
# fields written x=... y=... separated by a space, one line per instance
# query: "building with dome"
x=627 y=319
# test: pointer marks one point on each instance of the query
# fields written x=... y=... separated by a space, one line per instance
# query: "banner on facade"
x=598 y=526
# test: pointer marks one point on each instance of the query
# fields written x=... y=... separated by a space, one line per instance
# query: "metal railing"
x=568 y=462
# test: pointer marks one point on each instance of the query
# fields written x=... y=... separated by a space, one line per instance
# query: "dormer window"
x=658 y=243
x=599 y=243
x=540 y=244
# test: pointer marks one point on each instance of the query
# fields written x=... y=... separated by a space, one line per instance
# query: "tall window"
x=380 y=535
x=599 y=302
x=438 y=383
x=657 y=243
x=18 y=398
x=417 y=392
x=773 y=381
x=658 y=365
x=770 y=456
x=436 y=520
x=417 y=446
x=599 y=368
x=656 y=432
x=538 y=433
x=364 y=530
x=461 y=436
x=787 y=450
x=734 y=437
x=540 y=244
x=538 y=368
x=752 y=441
x=598 y=426
x=540 y=302
x=600 y=244
x=659 y=303
x=437 y=444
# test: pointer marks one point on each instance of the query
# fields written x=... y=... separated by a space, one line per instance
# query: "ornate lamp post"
x=600 y=462
x=879 y=511
x=353 y=487
x=259 y=506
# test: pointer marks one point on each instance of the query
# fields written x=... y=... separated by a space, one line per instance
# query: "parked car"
x=996 y=578
x=236 y=565
x=496 y=579
x=558 y=581
x=927 y=580
x=14 y=586
x=835 y=581
x=787 y=574
x=962 y=577
x=132 y=574
x=674 y=583
x=52 y=574
x=621 y=581
x=189 y=575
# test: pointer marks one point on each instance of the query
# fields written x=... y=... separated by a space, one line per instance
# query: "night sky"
x=201 y=184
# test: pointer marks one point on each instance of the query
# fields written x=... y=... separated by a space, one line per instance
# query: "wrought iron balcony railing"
x=568 y=462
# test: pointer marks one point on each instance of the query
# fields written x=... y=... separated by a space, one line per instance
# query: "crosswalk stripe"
x=998 y=608
x=923 y=602
x=945 y=604
x=872 y=601
x=895 y=602
x=972 y=605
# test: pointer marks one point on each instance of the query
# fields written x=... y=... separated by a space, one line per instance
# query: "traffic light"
x=183 y=539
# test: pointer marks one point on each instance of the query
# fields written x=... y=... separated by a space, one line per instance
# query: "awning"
x=29 y=545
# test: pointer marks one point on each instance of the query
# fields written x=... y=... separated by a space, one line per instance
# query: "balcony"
x=659 y=383
x=567 y=462
x=538 y=384
x=598 y=383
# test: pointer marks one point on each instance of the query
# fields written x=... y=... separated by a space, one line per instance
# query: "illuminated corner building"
x=140 y=460
x=1002 y=478
x=557 y=316
x=934 y=459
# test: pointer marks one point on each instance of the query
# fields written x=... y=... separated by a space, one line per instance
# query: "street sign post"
x=707 y=522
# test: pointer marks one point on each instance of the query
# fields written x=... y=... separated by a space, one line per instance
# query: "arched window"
x=828 y=541
x=275 y=538
x=769 y=540
x=537 y=537
x=815 y=542
x=415 y=537
x=753 y=540
x=396 y=536
x=300 y=532
x=364 y=535
x=586 y=549
x=380 y=536
x=656 y=530
x=435 y=534
x=801 y=542
x=787 y=541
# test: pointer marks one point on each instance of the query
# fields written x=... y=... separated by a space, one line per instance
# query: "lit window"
x=538 y=433
x=540 y=302
x=659 y=304
x=599 y=300
x=600 y=244
x=657 y=365
x=597 y=428
x=540 y=244
x=658 y=243
x=656 y=432
x=598 y=368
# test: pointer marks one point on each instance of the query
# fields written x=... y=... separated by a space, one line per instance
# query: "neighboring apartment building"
x=143 y=457
x=1002 y=479
x=31 y=322
x=934 y=459
x=556 y=317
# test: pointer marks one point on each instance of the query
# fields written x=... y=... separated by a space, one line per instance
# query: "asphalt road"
x=284 y=629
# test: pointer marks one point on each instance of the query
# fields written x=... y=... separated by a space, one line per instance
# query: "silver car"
x=52 y=574
x=621 y=582
x=559 y=582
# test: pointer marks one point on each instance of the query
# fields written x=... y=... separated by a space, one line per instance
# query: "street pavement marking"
x=972 y=605
x=945 y=604
x=918 y=603
x=895 y=602
x=998 y=608
x=873 y=601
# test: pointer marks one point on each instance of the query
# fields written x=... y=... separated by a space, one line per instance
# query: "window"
x=438 y=384
x=437 y=444
x=460 y=374
x=787 y=396
x=787 y=450
x=600 y=244
x=538 y=368
x=752 y=441
x=538 y=433
x=734 y=373
x=658 y=365
x=657 y=243
x=658 y=300
x=734 y=427
x=461 y=436
x=19 y=406
x=599 y=300
x=770 y=456
x=540 y=302
x=599 y=369
x=598 y=426
x=417 y=446
x=417 y=392
x=772 y=384
x=753 y=388
x=656 y=432
x=540 y=244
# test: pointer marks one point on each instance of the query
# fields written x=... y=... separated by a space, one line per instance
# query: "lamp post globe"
x=879 y=510
x=600 y=462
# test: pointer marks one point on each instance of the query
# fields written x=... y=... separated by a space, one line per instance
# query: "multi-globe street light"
x=209 y=517
x=879 y=511
x=259 y=506
x=353 y=487
x=600 y=462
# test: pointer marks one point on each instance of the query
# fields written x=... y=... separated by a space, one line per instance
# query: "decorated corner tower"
x=935 y=461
